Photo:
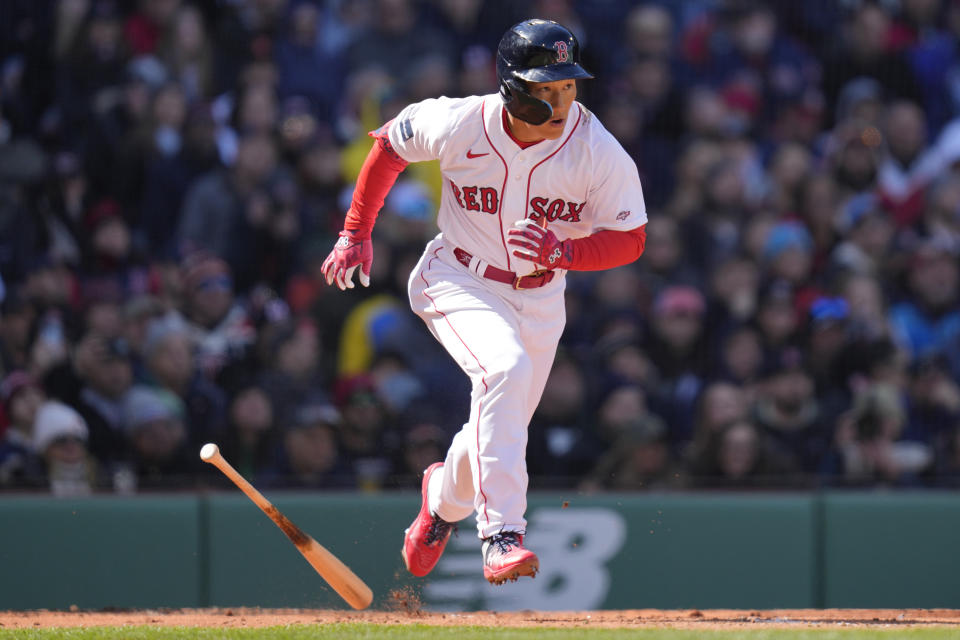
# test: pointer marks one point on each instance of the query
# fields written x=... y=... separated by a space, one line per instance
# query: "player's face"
x=560 y=95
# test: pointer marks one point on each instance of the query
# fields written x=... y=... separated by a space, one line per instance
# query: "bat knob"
x=209 y=451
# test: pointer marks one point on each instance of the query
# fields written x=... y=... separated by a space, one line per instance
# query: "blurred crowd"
x=173 y=173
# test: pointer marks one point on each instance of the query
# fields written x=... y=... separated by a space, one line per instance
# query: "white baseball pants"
x=505 y=341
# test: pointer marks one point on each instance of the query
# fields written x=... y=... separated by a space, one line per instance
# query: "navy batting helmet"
x=535 y=51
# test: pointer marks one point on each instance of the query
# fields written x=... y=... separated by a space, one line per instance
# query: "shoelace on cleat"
x=438 y=530
x=505 y=542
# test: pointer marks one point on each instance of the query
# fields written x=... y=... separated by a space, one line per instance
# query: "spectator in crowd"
x=178 y=147
x=617 y=302
x=304 y=68
x=733 y=292
x=92 y=65
x=106 y=375
x=251 y=440
x=396 y=384
x=867 y=444
x=60 y=439
x=158 y=137
x=852 y=155
x=61 y=206
x=789 y=414
x=933 y=401
x=788 y=253
x=103 y=317
x=565 y=447
x=789 y=169
x=144 y=27
x=866 y=304
x=50 y=287
x=665 y=263
x=170 y=365
x=649 y=31
x=622 y=408
x=50 y=344
x=111 y=272
x=827 y=334
x=622 y=359
x=225 y=211
x=696 y=157
x=817 y=202
x=677 y=349
x=219 y=322
x=718 y=231
x=368 y=445
x=154 y=423
x=187 y=53
x=138 y=313
x=740 y=455
x=311 y=457
x=718 y=405
x=640 y=459
x=318 y=171
x=777 y=319
x=740 y=359
x=18 y=316
x=112 y=134
x=941 y=214
x=908 y=164
x=929 y=320
x=423 y=442
x=868 y=234
x=396 y=42
x=21 y=398
x=293 y=370
x=864 y=51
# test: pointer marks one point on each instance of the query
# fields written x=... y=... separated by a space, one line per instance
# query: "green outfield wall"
x=768 y=550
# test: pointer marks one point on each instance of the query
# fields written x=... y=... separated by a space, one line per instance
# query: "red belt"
x=531 y=281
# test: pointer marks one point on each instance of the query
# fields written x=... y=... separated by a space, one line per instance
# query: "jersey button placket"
x=518 y=169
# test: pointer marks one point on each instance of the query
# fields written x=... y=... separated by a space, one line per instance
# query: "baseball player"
x=534 y=186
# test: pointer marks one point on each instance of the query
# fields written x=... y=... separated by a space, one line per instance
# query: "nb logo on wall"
x=574 y=547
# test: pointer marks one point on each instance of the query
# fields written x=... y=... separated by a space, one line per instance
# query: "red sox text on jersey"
x=487 y=200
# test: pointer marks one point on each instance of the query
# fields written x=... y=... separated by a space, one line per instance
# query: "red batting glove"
x=539 y=245
x=349 y=253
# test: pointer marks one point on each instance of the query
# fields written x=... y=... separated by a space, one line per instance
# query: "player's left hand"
x=348 y=253
x=539 y=245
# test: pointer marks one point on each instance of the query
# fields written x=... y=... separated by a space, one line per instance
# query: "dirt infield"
x=251 y=617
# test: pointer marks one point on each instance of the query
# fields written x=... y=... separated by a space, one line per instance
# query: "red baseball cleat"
x=504 y=558
x=425 y=539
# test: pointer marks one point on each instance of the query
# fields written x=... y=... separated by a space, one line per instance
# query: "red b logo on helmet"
x=561 y=47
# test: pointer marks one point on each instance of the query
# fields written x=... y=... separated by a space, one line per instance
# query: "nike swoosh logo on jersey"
x=471 y=155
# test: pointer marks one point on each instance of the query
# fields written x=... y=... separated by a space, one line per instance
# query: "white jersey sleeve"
x=615 y=196
x=421 y=130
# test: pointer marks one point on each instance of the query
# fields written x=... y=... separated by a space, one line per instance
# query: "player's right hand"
x=348 y=253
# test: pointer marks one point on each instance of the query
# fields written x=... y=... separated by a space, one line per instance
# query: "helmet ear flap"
x=505 y=92
x=520 y=104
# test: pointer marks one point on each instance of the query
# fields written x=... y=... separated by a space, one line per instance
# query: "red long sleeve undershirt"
x=607 y=249
x=379 y=172
x=600 y=250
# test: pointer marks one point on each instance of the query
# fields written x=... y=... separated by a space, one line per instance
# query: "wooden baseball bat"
x=338 y=575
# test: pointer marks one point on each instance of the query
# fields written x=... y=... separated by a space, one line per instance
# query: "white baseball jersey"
x=581 y=182
x=504 y=339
